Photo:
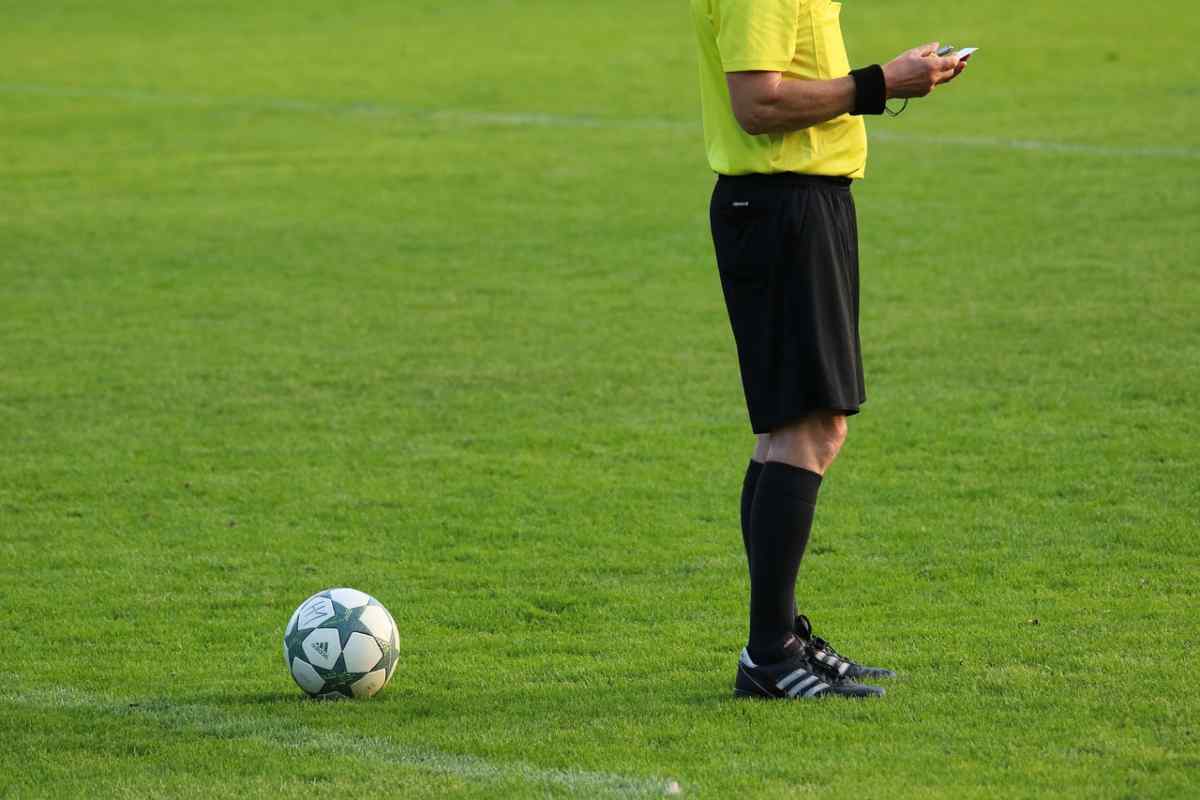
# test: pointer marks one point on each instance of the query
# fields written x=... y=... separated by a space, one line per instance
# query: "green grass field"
x=419 y=298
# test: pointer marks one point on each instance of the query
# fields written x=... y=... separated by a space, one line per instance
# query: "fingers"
x=945 y=69
x=953 y=73
x=917 y=72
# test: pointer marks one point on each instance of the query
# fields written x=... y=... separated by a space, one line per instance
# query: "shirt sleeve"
x=757 y=34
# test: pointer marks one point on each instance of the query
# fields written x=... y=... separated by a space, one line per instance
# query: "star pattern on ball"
x=317 y=656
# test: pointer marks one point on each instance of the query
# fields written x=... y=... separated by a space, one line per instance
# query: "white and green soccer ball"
x=341 y=643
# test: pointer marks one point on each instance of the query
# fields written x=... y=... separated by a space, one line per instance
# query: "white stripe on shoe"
x=802 y=685
x=818 y=688
x=790 y=678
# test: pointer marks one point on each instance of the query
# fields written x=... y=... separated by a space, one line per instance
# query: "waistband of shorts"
x=786 y=179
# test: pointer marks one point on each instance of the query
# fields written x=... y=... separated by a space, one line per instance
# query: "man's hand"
x=916 y=72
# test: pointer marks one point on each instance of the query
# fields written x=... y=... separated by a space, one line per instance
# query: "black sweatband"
x=870 y=90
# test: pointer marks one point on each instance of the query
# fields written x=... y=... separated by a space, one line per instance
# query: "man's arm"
x=767 y=102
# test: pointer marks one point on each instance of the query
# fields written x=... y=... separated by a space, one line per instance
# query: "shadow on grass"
x=242 y=699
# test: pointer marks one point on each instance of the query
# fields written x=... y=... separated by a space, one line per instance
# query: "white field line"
x=468 y=117
x=1042 y=146
x=208 y=719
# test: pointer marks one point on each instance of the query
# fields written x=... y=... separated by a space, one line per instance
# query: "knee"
x=830 y=435
x=812 y=444
x=837 y=429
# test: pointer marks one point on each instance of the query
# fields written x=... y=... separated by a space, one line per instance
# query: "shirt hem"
x=755 y=66
x=733 y=172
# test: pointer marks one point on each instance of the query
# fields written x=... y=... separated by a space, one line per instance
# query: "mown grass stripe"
x=201 y=718
x=542 y=119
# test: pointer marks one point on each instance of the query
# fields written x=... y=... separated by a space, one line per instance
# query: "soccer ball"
x=341 y=643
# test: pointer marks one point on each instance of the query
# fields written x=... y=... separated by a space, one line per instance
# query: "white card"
x=966 y=51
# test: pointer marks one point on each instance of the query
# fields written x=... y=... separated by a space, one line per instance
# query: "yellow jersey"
x=801 y=39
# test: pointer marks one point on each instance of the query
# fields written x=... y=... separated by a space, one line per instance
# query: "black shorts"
x=787 y=251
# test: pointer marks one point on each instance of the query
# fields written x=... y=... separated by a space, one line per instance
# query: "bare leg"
x=762 y=445
x=812 y=443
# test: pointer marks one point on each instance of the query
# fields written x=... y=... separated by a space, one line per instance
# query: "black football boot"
x=796 y=677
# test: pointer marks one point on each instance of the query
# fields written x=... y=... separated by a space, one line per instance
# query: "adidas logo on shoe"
x=793 y=678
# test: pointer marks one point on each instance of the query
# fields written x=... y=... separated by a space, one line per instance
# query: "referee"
x=784 y=132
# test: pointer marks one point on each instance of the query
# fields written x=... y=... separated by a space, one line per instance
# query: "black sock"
x=753 y=470
x=780 y=522
x=749 y=485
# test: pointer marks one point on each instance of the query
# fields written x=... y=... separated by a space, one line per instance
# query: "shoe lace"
x=822 y=645
x=817 y=645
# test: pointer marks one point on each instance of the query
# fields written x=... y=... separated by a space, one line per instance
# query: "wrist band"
x=870 y=90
